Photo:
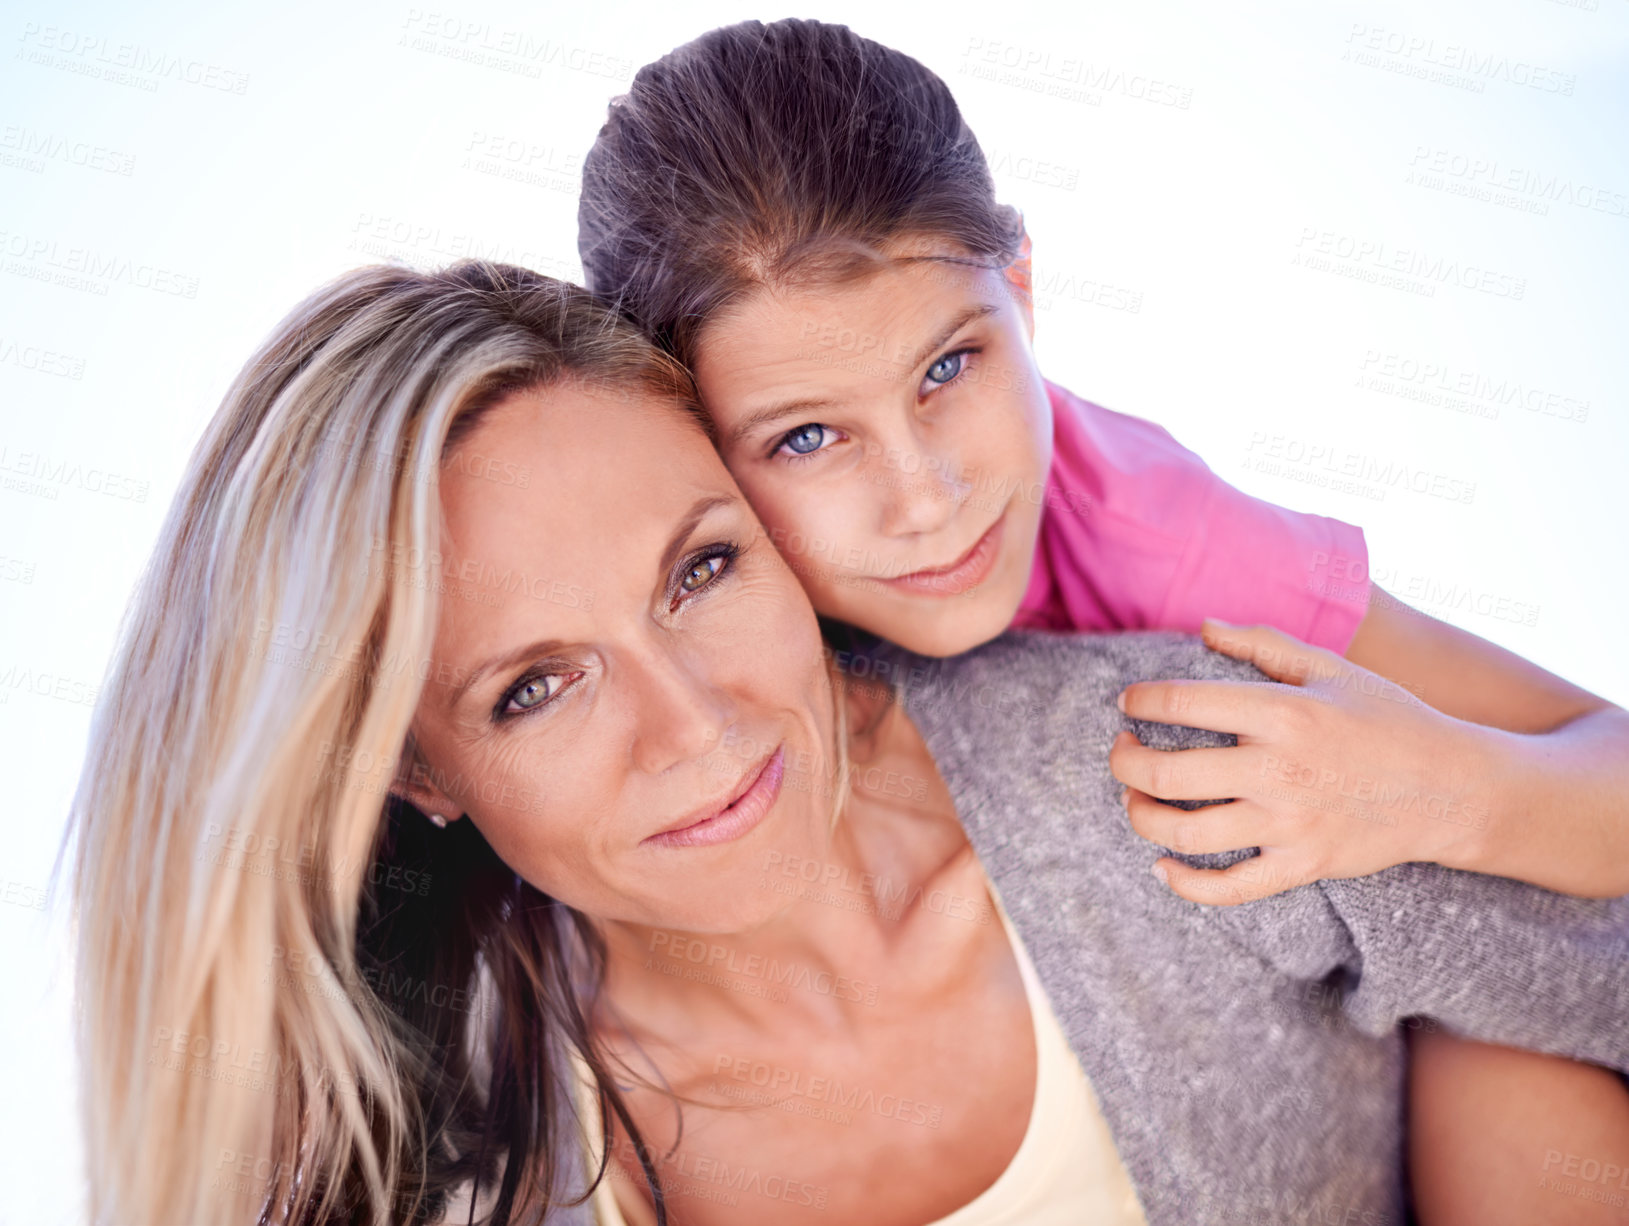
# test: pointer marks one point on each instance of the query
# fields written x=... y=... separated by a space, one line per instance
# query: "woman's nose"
x=680 y=715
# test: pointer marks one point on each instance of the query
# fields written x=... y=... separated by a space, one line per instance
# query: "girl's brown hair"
x=772 y=154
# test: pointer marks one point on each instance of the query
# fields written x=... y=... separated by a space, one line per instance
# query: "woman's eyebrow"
x=508 y=659
x=687 y=525
x=670 y=555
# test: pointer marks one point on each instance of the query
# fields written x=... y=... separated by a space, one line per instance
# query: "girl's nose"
x=919 y=494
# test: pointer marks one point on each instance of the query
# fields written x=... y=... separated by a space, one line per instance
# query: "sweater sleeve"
x=1485 y=957
x=1489 y=958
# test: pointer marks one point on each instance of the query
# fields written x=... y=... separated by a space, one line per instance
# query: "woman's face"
x=628 y=692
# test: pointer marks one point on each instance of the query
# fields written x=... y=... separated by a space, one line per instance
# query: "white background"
x=1173 y=162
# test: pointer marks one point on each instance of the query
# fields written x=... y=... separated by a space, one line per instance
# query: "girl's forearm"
x=1557 y=807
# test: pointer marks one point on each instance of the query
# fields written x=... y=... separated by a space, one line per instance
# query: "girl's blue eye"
x=947 y=368
x=806 y=439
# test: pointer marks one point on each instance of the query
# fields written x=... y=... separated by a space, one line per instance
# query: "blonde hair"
x=233 y=811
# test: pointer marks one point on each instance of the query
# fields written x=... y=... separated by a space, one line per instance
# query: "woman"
x=460 y=540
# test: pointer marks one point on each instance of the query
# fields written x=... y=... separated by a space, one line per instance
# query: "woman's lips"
x=735 y=818
x=962 y=575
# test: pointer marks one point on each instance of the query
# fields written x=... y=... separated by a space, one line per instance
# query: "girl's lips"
x=735 y=818
x=962 y=575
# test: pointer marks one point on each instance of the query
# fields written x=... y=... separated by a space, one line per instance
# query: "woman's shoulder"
x=1034 y=688
x=1103 y=653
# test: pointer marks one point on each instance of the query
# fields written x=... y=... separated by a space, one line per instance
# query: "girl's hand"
x=1338 y=772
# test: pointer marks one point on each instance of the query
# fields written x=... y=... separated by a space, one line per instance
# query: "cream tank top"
x=1066 y=1170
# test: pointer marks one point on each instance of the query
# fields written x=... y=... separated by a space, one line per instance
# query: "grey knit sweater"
x=1249 y=1060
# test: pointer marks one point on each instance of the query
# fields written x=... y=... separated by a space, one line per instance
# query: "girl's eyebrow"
x=790 y=408
x=775 y=412
x=980 y=310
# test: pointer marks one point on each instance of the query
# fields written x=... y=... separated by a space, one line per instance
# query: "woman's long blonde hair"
x=266 y=940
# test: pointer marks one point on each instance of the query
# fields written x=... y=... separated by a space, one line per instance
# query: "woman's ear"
x=1020 y=276
x=415 y=783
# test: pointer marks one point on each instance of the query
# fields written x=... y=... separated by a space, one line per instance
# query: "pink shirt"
x=1138 y=533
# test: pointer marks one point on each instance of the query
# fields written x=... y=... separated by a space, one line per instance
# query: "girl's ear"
x=1020 y=277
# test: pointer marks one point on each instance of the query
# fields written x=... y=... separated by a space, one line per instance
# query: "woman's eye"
x=944 y=370
x=535 y=691
x=702 y=572
x=806 y=439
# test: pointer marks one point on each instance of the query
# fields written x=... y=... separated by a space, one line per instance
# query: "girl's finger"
x=1198 y=832
x=1216 y=773
x=1244 y=708
x=1281 y=656
x=1272 y=872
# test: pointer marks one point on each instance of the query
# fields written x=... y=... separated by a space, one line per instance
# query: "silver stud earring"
x=440 y=821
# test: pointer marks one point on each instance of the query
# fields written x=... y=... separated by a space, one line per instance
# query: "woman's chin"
x=736 y=902
x=738 y=910
x=758 y=908
x=748 y=882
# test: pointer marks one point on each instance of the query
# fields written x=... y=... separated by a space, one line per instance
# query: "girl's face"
x=628 y=692
x=894 y=436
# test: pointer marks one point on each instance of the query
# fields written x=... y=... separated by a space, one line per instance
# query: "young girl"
x=802 y=216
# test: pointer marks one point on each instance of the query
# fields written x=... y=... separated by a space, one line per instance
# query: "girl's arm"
x=1472 y=756
x=1495 y=1134
x=1558 y=777
x=1504 y=1136
x=1424 y=743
